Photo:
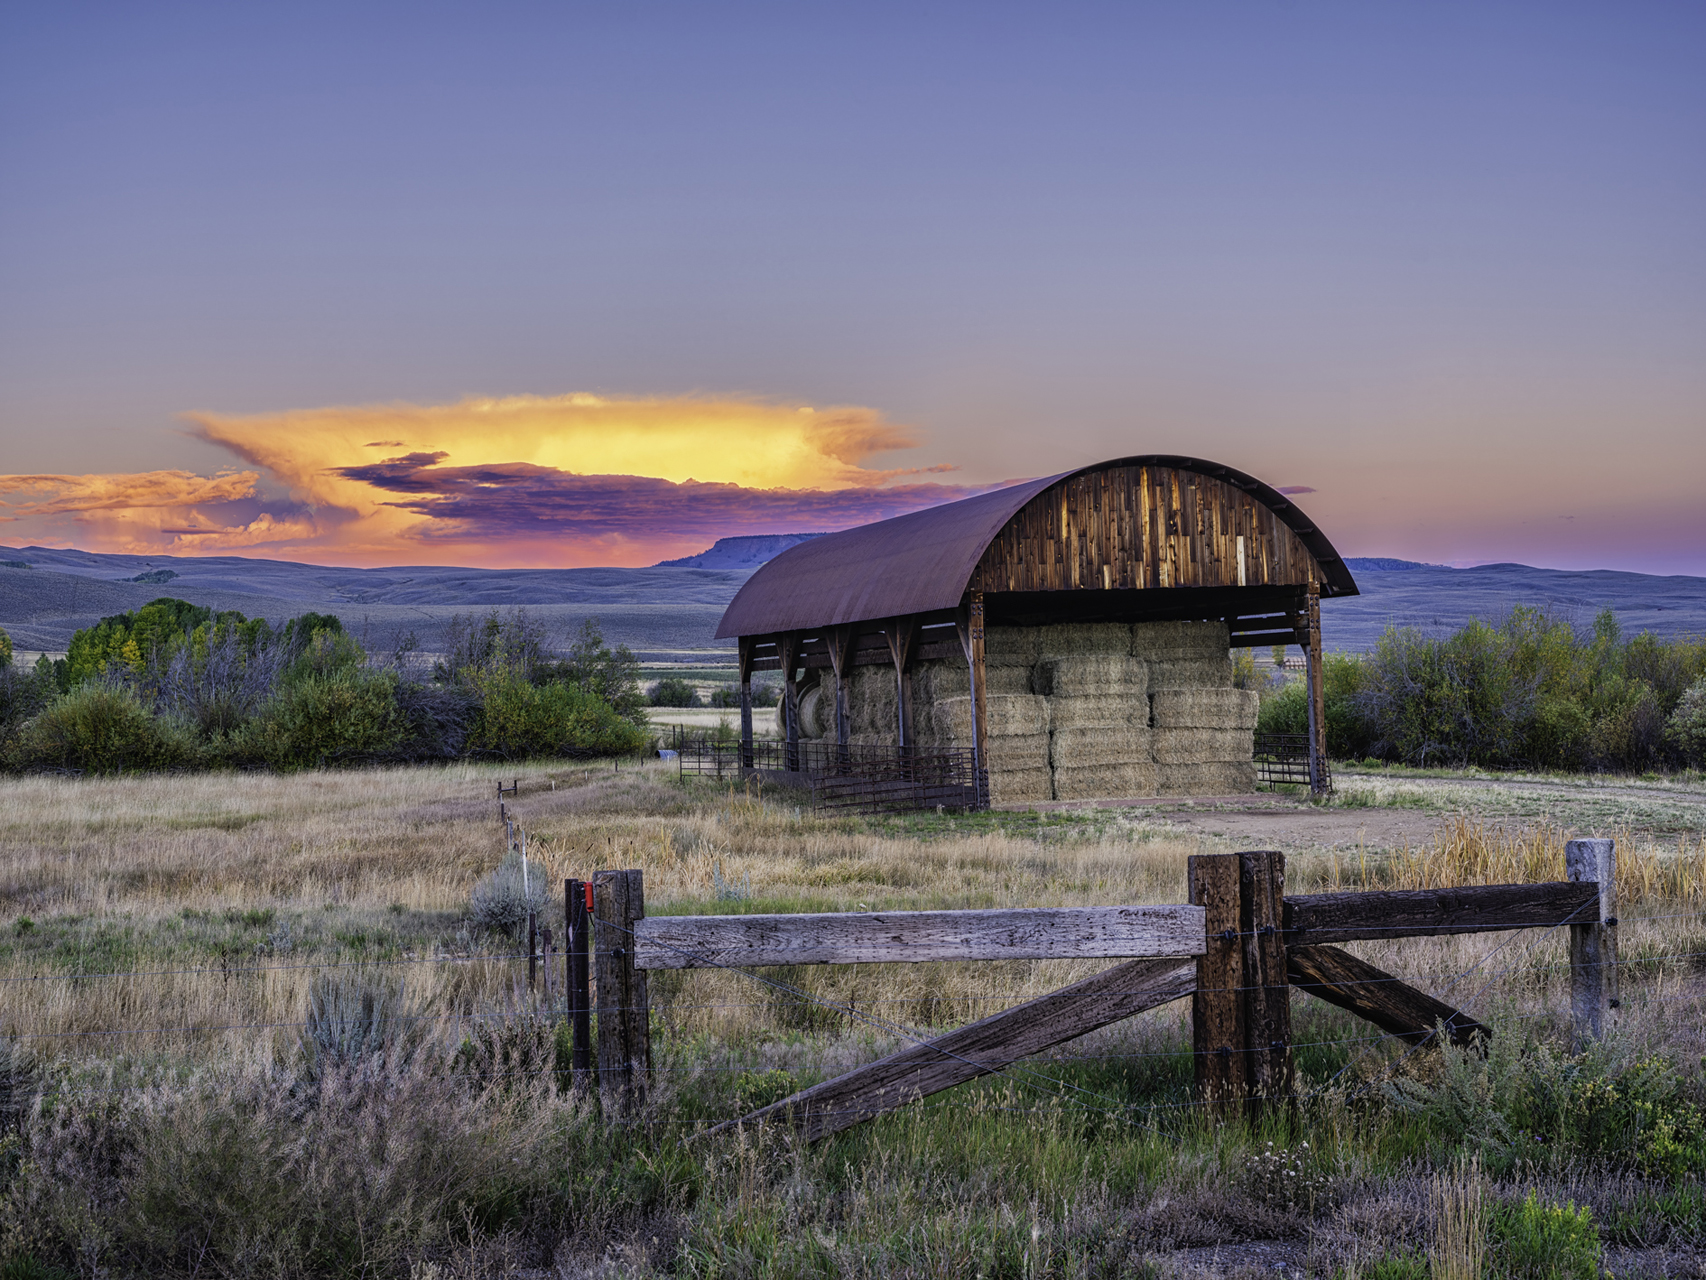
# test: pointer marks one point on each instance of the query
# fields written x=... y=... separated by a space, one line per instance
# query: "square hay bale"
x=1066 y=639
x=1205 y=708
x=1092 y=675
x=1172 y=641
x=873 y=703
x=1202 y=746
x=1018 y=751
x=1191 y=673
x=1020 y=786
x=1081 y=747
x=938 y=679
x=1007 y=679
x=1224 y=779
x=1009 y=646
x=1010 y=715
x=1114 y=711
x=1105 y=781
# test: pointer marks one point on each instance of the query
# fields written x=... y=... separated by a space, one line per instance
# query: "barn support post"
x=902 y=635
x=970 y=623
x=1318 y=782
x=1241 y=1010
x=788 y=645
x=840 y=643
x=624 y=1021
x=1593 y=942
x=746 y=702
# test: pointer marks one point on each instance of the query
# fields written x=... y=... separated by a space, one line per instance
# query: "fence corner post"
x=1267 y=991
x=624 y=1024
x=1217 y=1011
x=1593 y=944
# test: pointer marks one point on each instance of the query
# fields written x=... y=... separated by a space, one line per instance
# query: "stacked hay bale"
x=1017 y=732
x=1098 y=708
x=1203 y=728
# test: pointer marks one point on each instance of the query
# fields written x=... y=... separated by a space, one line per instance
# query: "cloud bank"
x=524 y=480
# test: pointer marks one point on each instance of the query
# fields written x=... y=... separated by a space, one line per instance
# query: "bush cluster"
x=174 y=685
x=1531 y=691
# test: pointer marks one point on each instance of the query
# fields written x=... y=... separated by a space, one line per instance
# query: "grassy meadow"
x=185 y=1089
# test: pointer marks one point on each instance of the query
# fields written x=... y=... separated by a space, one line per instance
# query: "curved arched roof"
x=922 y=562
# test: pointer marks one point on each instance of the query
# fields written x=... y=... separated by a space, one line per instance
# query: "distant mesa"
x=1383 y=564
x=740 y=554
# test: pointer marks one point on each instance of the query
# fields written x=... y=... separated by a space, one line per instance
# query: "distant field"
x=669 y=615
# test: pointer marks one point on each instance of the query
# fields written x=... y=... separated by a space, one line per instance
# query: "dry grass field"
x=161 y=939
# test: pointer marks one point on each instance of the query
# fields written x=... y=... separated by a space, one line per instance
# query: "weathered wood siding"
x=1142 y=527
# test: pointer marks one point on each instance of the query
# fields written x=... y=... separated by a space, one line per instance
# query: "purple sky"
x=1443 y=264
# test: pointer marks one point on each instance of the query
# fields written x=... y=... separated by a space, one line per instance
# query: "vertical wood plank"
x=1267 y=990
x=1593 y=943
x=1217 y=1007
x=578 y=957
x=624 y=1032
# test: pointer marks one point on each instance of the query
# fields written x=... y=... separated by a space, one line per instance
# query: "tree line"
x=173 y=684
x=1530 y=691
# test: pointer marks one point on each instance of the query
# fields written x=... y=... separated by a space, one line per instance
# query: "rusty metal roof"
x=921 y=562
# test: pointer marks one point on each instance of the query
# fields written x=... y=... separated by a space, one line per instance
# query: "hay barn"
x=1067 y=638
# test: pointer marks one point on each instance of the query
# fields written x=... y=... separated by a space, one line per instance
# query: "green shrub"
x=1349 y=733
x=673 y=692
x=101 y=729
x=500 y=903
x=1537 y=1241
x=345 y=715
x=518 y=720
x=1686 y=728
x=5 y=648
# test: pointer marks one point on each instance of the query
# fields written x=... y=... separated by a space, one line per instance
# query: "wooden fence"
x=1236 y=948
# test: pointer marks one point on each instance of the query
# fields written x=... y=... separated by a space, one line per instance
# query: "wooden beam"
x=746 y=702
x=1341 y=979
x=789 y=645
x=1267 y=1001
x=877 y=937
x=1318 y=784
x=978 y=1049
x=902 y=636
x=1217 y=1011
x=1593 y=939
x=624 y=1031
x=840 y=641
x=1422 y=913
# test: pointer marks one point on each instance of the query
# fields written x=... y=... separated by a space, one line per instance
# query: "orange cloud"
x=552 y=481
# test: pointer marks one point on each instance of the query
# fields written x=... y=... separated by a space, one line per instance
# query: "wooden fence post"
x=1593 y=943
x=1241 y=1011
x=575 y=923
x=1217 y=1006
x=1267 y=990
x=624 y=1031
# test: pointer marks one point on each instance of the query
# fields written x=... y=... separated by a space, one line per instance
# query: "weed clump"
x=501 y=901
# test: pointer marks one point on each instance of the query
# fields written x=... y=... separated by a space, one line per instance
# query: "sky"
x=563 y=285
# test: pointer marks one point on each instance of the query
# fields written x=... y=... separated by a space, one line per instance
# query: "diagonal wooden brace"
x=980 y=1048
x=1340 y=978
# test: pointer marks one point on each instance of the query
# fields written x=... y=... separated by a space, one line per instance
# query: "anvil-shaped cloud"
x=526 y=480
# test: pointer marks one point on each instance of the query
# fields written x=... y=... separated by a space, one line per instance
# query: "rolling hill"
x=669 y=612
